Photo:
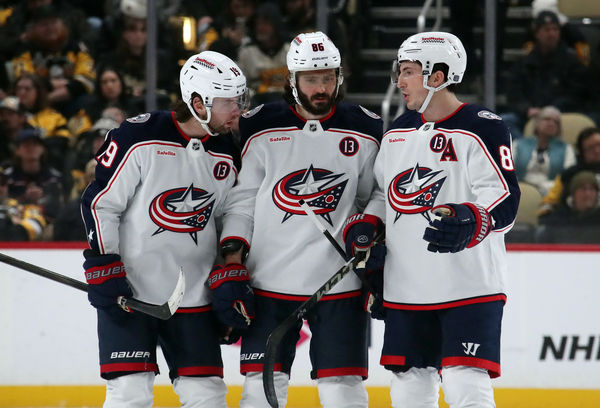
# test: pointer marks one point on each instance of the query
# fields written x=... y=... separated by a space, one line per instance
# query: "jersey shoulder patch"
x=141 y=118
x=369 y=113
x=253 y=112
x=356 y=118
x=488 y=115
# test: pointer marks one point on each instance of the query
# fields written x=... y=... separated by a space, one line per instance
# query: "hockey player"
x=447 y=191
x=161 y=180
x=310 y=147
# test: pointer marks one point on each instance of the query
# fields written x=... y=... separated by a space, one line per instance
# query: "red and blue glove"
x=358 y=235
x=232 y=296
x=359 y=232
x=456 y=227
x=106 y=278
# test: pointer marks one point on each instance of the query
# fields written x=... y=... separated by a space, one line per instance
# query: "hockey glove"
x=373 y=302
x=106 y=278
x=457 y=226
x=359 y=232
x=233 y=298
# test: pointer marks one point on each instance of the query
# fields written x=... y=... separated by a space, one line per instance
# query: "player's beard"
x=319 y=108
x=219 y=128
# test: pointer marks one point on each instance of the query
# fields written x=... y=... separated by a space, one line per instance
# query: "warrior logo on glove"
x=414 y=191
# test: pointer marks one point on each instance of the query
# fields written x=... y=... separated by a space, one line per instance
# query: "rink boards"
x=550 y=353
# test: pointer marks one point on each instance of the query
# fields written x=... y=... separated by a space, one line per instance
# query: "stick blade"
x=164 y=311
x=178 y=293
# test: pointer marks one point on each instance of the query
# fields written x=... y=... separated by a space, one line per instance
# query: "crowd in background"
x=73 y=69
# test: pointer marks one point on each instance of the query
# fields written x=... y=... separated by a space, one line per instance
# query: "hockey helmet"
x=311 y=52
x=134 y=8
x=430 y=48
x=212 y=75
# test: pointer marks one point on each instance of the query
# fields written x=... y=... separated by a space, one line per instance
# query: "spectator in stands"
x=129 y=58
x=550 y=74
x=117 y=114
x=233 y=27
x=32 y=93
x=63 y=61
x=571 y=34
x=588 y=151
x=300 y=16
x=543 y=156
x=578 y=219
x=12 y=121
x=68 y=225
x=264 y=60
x=110 y=91
x=19 y=14
x=86 y=148
x=18 y=222
x=31 y=181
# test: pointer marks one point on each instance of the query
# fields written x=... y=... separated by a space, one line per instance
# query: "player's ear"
x=436 y=78
x=199 y=106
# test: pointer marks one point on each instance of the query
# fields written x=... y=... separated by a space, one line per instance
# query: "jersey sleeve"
x=118 y=173
x=238 y=220
x=376 y=205
x=492 y=173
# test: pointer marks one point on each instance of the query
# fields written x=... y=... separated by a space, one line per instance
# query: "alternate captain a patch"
x=182 y=210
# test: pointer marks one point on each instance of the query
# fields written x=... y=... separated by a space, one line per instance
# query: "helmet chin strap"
x=203 y=123
x=431 y=90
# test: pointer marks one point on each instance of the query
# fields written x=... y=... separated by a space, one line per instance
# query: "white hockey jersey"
x=154 y=202
x=329 y=164
x=465 y=157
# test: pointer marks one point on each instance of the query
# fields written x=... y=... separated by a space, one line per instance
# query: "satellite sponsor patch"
x=488 y=115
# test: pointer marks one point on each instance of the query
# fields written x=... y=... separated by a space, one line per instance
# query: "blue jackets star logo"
x=320 y=188
x=185 y=209
x=414 y=191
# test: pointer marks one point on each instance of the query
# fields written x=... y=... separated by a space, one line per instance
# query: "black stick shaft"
x=65 y=280
x=160 y=311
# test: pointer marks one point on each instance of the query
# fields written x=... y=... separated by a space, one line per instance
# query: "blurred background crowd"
x=73 y=69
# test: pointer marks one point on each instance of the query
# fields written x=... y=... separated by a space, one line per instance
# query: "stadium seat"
x=572 y=124
x=529 y=205
x=579 y=8
x=526 y=222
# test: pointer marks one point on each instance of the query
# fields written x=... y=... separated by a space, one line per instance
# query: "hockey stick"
x=163 y=311
x=313 y=217
x=280 y=331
